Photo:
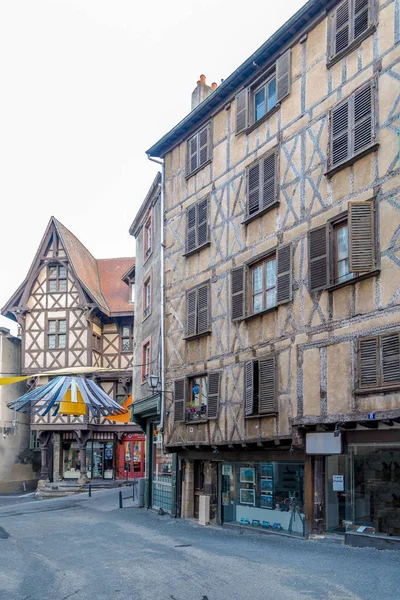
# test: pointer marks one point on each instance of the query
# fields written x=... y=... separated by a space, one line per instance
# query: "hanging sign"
x=338 y=483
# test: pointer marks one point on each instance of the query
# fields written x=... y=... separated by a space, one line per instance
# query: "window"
x=343 y=248
x=197 y=398
x=197 y=226
x=126 y=338
x=379 y=361
x=146 y=359
x=198 y=319
x=255 y=102
x=57 y=333
x=148 y=238
x=199 y=150
x=349 y=23
x=262 y=185
x=121 y=392
x=260 y=386
x=56 y=279
x=34 y=443
x=352 y=127
x=132 y=287
x=147 y=297
x=96 y=342
x=262 y=284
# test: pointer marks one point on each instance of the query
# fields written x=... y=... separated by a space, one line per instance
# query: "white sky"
x=86 y=87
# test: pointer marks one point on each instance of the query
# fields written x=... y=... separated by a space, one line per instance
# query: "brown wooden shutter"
x=179 y=400
x=213 y=395
x=191 y=229
x=193 y=154
x=203 y=309
x=361 y=17
x=340 y=134
x=361 y=236
x=253 y=189
x=249 y=388
x=269 y=178
x=191 y=312
x=202 y=222
x=363 y=129
x=390 y=352
x=284 y=274
x=242 y=110
x=368 y=361
x=204 y=144
x=283 y=76
x=267 y=392
x=342 y=27
x=238 y=293
x=318 y=259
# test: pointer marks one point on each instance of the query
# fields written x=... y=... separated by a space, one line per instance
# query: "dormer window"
x=56 y=279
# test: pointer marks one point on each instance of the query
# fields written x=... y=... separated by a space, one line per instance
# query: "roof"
x=275 y=44
x=133 y=230
x=111 y=271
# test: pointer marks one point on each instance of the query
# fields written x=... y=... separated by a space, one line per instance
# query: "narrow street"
x=88 y=549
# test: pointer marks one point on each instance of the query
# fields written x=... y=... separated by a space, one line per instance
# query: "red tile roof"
x=114 y=290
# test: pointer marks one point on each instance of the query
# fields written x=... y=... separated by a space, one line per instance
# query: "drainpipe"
x=161 y=162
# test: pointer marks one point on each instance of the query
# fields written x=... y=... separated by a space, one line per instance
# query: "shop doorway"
x=99 y=460
x=198 y=486
x=131 y=463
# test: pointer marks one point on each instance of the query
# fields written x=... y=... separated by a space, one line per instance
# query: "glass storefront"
x=99 y=460
x=268 y=495
x=71 y=461
x=363 y=490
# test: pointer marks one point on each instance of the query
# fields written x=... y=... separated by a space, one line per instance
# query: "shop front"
x=131 y=462
x=99 y=459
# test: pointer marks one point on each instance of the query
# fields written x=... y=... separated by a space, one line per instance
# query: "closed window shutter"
x=390 y=358
x=361 y=17
x=269 y=178
x=213 y=395
x=342 y=27
x=318 y=259
x=283 y=76
x=340 y=130
x=203 y=309
x=284 y=274
x=363 y=121
x=248 y=388
x=242 y=110
x=368 y=360
x=193 y=154
x=179 y=400
x=238 y=292
x=202 y=222
x=191 y=242
x=253 y=189
x=266 y=377
x=361 y=237
x=204 y=138
x=191 y=312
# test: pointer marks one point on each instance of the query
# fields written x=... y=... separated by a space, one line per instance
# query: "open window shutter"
x=368 y=361
x=248 y=388
x=202 y=222
x=253 y=189
x=284 y=274
x=213 y=395
x=342 y=27
x=191 y=312
x=267 y=392
x=361 y=17
x=191 y=242
x=390 y=358
x=318 y=259
x=339 y=138
x=193 y=154
x=269 y=195
x=363 y=119
x=179 y=400
x=203 y=309
x=283 y=76
x=238 y=293
x=204 y=139
x=361 y=237
x=242 y=110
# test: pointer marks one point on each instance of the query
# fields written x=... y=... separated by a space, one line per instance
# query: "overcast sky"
x=86 y=87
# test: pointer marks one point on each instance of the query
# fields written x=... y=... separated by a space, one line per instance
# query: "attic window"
x=56 y=279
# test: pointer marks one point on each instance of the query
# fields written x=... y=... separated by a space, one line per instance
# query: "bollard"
x=90 y=490
x=120 y=500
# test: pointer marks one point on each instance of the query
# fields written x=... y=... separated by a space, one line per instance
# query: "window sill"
x=267 y=115
x=56 y=349
x=261 y=313
x=189 y=338
x=146 y=317
x=350 y=161
x=198 y=249
x=337 y=286
x=189 y=175
x=147 y=256
x=260 y=213
x=378 y=390
x=354 y=44
x=269 y=414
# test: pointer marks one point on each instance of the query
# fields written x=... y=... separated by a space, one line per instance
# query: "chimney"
x=201 y=91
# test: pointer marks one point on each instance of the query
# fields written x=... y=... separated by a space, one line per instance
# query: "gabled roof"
x=133 y=229
x=100 y=279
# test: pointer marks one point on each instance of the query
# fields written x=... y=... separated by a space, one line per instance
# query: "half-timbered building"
x=282 y=280
x=77 y=311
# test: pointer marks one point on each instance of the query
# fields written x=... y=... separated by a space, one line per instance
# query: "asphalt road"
x=88 y=549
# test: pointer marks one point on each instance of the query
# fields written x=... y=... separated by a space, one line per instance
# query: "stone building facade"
x=282 y=279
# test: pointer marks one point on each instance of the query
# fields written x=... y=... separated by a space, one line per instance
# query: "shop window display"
x=266 y=495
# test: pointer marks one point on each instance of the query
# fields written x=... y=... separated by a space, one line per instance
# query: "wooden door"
x=198 y=485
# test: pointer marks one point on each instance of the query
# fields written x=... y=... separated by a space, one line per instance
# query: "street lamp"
x=153 y=382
